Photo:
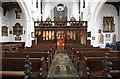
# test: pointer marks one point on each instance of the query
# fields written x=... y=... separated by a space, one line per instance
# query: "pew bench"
x=46 y=55
x=96 y=66
x=12 y=74
x=17 y=64
x=12 y=46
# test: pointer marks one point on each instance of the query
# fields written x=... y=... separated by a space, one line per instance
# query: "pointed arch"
x=101 y=38
x=28 y=21
x=114 y=38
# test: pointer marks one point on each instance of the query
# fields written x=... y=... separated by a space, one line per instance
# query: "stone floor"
x=62 y=67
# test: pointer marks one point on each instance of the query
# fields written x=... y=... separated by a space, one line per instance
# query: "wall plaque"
x=93 y=38
x=17 y=38
x=17 y=29
x=4 y=31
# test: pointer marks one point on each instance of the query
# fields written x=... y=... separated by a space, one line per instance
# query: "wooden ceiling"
x=7 y=6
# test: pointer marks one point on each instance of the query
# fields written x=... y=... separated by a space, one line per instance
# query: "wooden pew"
x=73 y=53
x=96 y=66
x=78 y=45
x=77 y=54
x=91 y=49
x=72 y=49
x=12 y=74
x=33 y=54
x=22 y=55
x=17 y=65
x=12 y=46
x=80 y=56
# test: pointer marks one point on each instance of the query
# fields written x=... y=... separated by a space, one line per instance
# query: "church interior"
x=59 y=39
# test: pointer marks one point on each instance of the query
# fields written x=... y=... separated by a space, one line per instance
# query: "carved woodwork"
x=108 y=24
x=73 y=19
x=107 y=64
x=48 y=19
x=72 y=32
x=28 y=67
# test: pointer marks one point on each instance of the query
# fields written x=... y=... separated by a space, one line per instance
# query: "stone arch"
x=28 y=21
x=98 y=8
x=95 y=19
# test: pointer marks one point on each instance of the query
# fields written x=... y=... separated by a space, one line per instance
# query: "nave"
x=75 y=61
x=62 y=66
x=42 y=39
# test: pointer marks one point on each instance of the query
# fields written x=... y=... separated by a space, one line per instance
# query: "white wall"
x=11 y=21
x=4 y=22
x=27 y=21
x=107 y=10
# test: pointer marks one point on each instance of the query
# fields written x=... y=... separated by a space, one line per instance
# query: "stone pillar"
x=119 y=25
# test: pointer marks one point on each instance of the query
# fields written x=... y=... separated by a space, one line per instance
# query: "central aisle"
x=62 y=67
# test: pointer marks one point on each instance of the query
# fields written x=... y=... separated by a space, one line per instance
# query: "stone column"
x=119 y=25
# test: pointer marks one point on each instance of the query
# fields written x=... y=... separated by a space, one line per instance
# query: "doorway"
x=60 y=39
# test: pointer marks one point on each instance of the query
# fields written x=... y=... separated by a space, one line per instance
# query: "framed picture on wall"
x=17 y=38
x=93 y=38
x=4 y=31
x=17 y=29
x=107 y=37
